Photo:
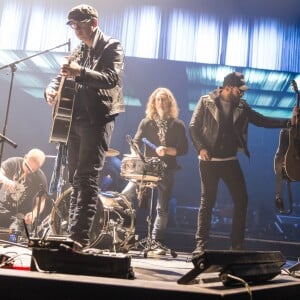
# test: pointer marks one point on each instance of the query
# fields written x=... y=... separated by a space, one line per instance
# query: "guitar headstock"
x=294 y=86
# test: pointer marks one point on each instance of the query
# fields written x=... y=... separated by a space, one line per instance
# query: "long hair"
x=151 y=111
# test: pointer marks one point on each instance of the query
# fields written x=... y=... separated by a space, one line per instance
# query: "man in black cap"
x=218 y=129
x=96 y=67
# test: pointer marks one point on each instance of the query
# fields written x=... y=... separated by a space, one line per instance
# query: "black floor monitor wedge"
x=250 y=266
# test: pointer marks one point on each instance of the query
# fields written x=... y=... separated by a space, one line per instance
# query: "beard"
x=234 y=99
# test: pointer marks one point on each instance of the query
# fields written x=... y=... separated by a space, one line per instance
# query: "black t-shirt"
x=21 y=200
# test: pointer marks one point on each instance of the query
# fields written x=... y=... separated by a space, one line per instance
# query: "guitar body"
x=62 y=111
x=292 y=156
x=63 y=108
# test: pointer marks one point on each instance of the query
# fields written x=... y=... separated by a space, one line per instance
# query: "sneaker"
x=158 y=248
x=159 y=251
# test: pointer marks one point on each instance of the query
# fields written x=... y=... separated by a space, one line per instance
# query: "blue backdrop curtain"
x=152 y=31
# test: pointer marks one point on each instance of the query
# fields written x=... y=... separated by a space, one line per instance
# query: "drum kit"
x=113 y=228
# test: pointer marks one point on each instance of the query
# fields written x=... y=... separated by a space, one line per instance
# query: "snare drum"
x=134 y=168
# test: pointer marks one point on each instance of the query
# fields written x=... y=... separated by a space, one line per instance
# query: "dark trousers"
x=230 y=172
x=86 y=155
x=164 y=193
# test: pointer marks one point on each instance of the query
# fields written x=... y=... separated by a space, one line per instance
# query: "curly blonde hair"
x=151 y=111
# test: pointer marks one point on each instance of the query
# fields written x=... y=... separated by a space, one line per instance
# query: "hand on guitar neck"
x=71 y=68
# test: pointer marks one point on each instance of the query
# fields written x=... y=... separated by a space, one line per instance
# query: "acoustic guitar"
x=63 y=108
x=292 y=156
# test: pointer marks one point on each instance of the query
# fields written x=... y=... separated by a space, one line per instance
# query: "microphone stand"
x=13 y=68
x=135 y=148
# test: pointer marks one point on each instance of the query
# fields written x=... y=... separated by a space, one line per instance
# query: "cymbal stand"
x=149 y=244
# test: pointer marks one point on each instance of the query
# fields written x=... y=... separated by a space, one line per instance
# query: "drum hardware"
x=148 y=243
x=113 y=228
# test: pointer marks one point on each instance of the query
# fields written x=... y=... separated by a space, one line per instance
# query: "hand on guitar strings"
x=51 y=96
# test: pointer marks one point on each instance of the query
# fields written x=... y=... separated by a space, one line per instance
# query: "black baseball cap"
x=235 y=79
x=82 y=13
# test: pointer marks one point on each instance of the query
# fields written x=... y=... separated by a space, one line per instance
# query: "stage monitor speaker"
x=250 y=266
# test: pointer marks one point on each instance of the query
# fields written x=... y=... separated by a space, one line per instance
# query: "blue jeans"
x=86 y=155
x=164 y=195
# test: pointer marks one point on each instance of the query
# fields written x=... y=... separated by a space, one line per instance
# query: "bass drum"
x=113 y=228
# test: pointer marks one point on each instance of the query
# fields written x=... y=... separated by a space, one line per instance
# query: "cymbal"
x=109 y=153
x=112 y=152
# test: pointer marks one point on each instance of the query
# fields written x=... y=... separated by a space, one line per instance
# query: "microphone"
x=135 y=148
x=28 y=166
x=69 y=45
x=148 y=143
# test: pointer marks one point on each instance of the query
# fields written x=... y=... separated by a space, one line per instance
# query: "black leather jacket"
x=100 y=84
x=205 y=121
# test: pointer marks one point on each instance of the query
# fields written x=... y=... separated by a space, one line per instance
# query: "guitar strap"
x=280 y=174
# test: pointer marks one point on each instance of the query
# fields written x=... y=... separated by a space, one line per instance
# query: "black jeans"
x=86 y=155
x=230 y=172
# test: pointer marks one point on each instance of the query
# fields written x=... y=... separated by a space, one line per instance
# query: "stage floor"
x=155 y=277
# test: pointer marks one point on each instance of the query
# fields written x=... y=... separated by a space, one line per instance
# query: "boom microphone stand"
x=13 y=68
x=3 y=139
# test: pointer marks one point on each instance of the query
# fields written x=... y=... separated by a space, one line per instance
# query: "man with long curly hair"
x=162 y=128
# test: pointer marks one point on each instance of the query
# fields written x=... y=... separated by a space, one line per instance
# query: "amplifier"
x=57 y=255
